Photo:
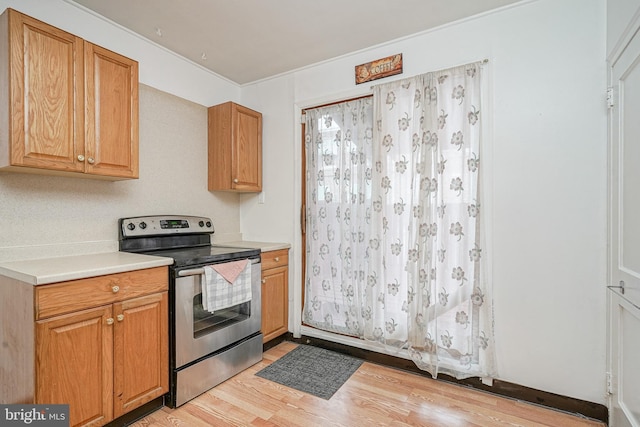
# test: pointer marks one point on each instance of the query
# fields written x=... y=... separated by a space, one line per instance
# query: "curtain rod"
x=482 y=62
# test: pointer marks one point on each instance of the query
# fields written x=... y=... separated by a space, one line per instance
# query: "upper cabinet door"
x=111 y=90
x=247 y=156
x=235 y=148
x=46 y=95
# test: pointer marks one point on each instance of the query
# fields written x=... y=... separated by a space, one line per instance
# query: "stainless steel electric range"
x=206 y=347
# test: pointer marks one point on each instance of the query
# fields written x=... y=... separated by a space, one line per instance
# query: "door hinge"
x=610 y=97
x=303 y=118
x=609 y=384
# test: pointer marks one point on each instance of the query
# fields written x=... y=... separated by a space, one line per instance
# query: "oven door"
x=199 y=333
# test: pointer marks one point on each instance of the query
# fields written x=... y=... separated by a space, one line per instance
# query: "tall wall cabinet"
x=68 y=106
x=235 y=148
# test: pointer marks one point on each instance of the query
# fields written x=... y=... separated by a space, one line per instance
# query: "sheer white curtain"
x=406 y=266
x=338 y=174
x=430 y=293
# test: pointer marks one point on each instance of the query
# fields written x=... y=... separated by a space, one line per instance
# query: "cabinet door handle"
x=235 y=180
x=264 y=281
x=277 y=259
x=115 y=289
x=80 y=158
x=110 y=321
x=120 y=317
x=90 y=160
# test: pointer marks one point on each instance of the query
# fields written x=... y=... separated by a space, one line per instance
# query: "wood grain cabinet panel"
x=273 y=259
x=104 y=355
x=73 y=106
x=141 y=358
x=74 y=364
x=111 y=89
x=235 y=148
x=74 y=295
x=275 y=293
x=44 y=68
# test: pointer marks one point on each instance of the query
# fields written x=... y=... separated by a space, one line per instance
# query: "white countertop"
x=59 y=269
x=263 y=246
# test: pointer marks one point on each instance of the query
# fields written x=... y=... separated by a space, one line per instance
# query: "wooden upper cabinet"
x=235 y=148
x=72 y=106
x=111 y=93
x=46 y=119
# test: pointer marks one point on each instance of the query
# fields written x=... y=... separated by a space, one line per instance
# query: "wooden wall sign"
x=379 y=68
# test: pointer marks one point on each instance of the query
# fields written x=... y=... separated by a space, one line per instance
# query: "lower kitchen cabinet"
x=100 y=345
x=275 y=293
x=74 y=359
x=140 y=352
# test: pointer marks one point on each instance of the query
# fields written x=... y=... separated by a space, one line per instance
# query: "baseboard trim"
x=138 y=413
x=275 y=341
x=570 y=405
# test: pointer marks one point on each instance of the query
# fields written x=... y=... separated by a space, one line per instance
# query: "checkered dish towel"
x=226 y=284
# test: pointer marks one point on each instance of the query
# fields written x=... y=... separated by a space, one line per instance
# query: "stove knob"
x=201 y=223
x=131 y=226
x=143 y=225
x=208 y=224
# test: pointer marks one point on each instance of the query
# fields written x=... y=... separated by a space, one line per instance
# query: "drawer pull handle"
x=277 y=259
x=110 y=321
x=115 y=289
x=120 y=317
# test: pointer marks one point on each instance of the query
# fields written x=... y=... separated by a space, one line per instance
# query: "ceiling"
x=250 y=40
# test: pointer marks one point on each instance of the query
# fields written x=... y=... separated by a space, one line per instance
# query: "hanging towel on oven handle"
x=226 y=284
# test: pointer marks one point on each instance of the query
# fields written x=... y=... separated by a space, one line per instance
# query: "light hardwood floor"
x=375 y=395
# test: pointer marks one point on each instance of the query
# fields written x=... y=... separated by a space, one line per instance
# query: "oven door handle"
x=200 y=271
x=191 y=272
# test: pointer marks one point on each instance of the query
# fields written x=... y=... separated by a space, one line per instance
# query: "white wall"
x=621 y=15
x=548 y=156
x=271 y=220
x=159 y=68
x=44 y=216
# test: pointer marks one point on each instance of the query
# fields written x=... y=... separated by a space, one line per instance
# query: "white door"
x=624 y=267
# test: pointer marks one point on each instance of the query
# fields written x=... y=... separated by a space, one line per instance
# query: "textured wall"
x=44 y=216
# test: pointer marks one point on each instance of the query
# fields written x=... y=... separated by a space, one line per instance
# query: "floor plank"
x=375 y=395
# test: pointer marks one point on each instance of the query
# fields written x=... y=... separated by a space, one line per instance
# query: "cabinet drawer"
x=66 y=297
x=273 y=259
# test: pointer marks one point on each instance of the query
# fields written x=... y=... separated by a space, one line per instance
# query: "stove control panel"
x=159 y=225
